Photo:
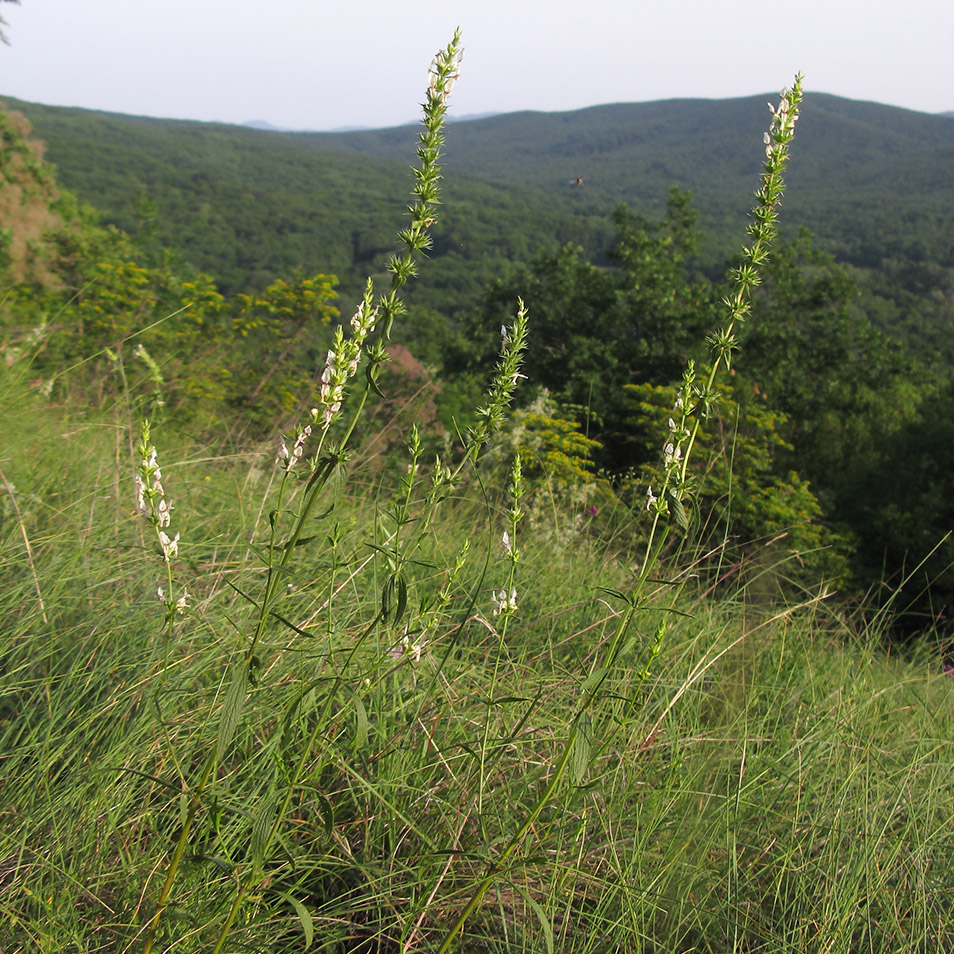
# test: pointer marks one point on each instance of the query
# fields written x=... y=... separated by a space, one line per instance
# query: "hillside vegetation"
x=875 y=184
x=535 y=622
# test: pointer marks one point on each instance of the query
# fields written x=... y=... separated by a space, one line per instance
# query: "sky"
x=328 y=64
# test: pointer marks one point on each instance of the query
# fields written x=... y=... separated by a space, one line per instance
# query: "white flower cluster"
x=784 y=118
x=180 y=605
x=151 y=500
x=407 y=645
x=152 y=504
x=504 y=602
x=341 y=364
x=673 y=449
x=288 y=458
x=440 y=82
x=342 y=361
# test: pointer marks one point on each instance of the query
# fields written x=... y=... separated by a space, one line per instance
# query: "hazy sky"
x=329 y=63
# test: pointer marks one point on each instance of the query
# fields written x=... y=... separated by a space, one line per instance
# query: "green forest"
x=545 y=549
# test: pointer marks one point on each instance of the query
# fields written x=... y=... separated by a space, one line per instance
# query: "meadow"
x=325 y=692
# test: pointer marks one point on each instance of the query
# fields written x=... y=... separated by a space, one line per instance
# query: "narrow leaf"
x=304 y=917
x=361 y=729
x=232 y=710
x=401 y=599
x=261 y=830
x=541 y=917
x=582 y=744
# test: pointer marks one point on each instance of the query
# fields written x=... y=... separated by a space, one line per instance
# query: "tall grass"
x=254 y=703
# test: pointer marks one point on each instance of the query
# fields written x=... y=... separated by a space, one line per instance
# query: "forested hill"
x=856 y=165
x=874 y=183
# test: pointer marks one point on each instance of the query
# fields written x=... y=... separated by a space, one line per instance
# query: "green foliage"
x=741 y=490
x=600 y=328
x=552 y=447
x=320 y=201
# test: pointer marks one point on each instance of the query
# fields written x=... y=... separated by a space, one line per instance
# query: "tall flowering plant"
x=697 y=395
x=695 y=398
x=369 y=333
x=152 y=504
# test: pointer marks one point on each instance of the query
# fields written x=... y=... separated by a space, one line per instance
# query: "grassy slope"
x=775 y=785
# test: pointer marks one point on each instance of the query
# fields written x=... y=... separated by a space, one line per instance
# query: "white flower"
x=651 y=498
x=407 y=645
x=508 y=546
x=163 y=512
x=141 y=496
x=504 y=603
x=183 y=602
x=170 y=548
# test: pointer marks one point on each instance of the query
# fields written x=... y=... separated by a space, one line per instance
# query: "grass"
x=775 y=784
x=390 y=709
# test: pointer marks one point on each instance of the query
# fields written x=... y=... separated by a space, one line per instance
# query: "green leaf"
x=593 y=680
x=363 y=725
x=243 y=594
x=582 y=747
x=262 y=828
x=304 y=917
x=292 y=626
x=678 y=511
x=327 y=812
x=541 y=916
x=401 y=599
x=232 y=710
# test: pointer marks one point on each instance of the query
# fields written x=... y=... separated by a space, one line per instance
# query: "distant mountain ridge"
x=871 y=181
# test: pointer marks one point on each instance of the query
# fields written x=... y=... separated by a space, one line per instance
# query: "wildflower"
x=341 y=362
x=592 y=510
x=141 y=504
x=651 y=498
x=170 y=547
x=150 y=496
x=292 y=457
x=508 y=546
x=415 y=648
x=406 y=645
x=180 y=605
x=442 y=74
x=504 y=602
